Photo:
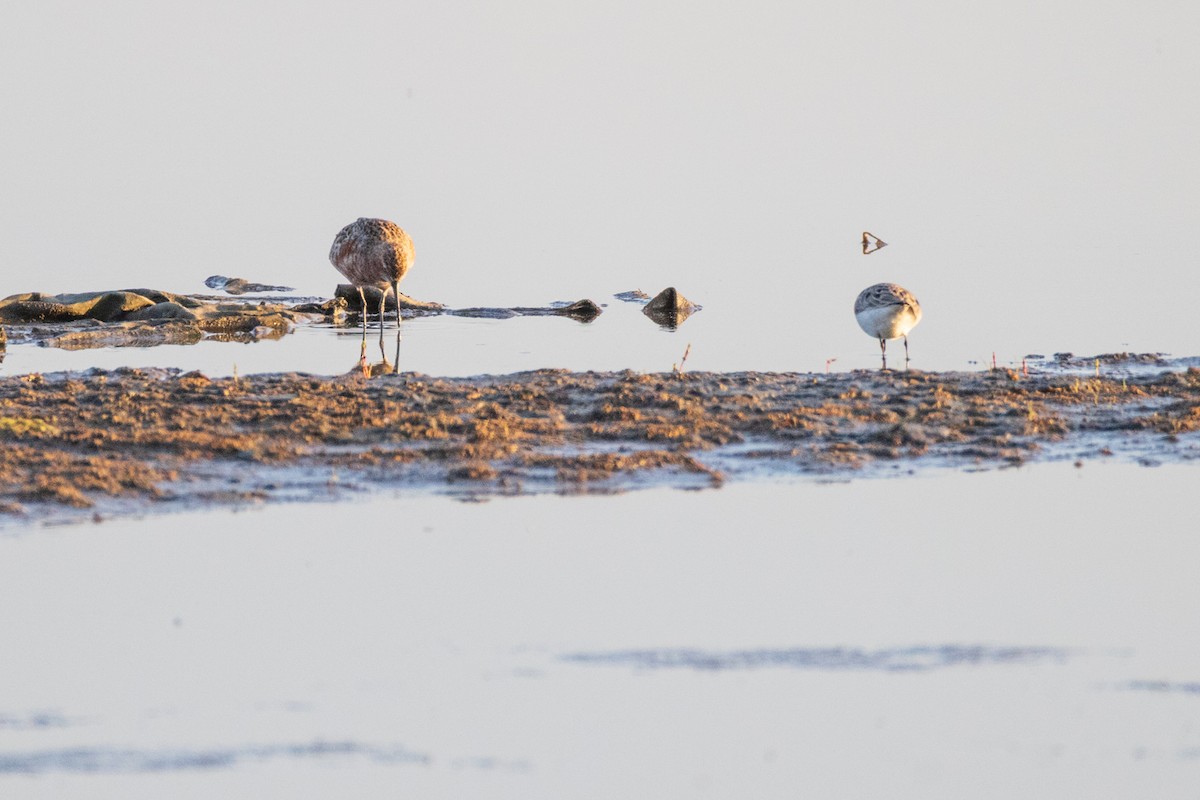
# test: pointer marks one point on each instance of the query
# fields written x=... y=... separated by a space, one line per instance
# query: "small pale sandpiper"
x=887 y=311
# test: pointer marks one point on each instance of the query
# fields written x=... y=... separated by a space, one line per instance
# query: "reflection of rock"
x=349 y=293
x=580 y=310
x=669 y=308
x=240 y=286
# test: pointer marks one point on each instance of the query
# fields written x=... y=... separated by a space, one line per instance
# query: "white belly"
x=887 y=322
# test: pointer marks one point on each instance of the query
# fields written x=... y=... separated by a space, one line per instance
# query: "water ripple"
x=34 y=721
x=1164 y=686
x=906 y=659
x=109 y=760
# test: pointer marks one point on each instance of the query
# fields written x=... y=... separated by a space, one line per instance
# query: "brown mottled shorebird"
x=887 y=311
x=373 y=252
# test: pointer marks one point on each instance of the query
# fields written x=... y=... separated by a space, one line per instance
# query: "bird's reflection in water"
x=382 y=367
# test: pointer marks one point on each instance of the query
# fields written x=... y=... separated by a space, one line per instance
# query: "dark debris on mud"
x=99 y=439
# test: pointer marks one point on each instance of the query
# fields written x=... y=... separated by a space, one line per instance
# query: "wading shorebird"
x=887 y=311
x=373 y=252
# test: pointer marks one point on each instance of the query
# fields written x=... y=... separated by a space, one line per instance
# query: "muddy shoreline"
x=135 y=441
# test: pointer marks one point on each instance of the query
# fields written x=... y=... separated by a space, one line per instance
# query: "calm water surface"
x=731 y=334
x=1025 y=632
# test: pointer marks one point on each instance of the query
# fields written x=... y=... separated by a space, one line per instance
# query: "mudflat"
x=141 y=441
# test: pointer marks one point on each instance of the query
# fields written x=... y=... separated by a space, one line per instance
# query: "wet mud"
x=137 y=441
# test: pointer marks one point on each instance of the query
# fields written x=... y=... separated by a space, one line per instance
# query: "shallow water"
x=723 y=336
x=1024 y=632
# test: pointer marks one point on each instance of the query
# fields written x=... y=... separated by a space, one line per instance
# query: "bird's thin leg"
x=362 y=297
x=382 y=302
x=883 y=351
x=396 y=366
x=906 y=352
x=396 y=294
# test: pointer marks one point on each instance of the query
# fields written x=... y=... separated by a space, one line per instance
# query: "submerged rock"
x=483 y=313
x=241 y=286
x=581 y=310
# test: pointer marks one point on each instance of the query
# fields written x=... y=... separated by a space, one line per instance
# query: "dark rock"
x=144 y=318
x=112 y=306
x=103 y=306
x=669 y=308
x=330 y=308
x=243 y=323
x=162 y=311
x=39 y=311
x=349 y=293
x=583 y=310
x=670 y=299
x=168 y=297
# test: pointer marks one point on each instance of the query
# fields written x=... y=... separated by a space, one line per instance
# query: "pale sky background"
x=1034 y=166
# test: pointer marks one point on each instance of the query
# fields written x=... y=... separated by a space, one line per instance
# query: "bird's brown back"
x=372 y=252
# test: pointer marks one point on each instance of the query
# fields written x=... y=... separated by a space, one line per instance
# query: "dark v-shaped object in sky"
x=871 y=243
